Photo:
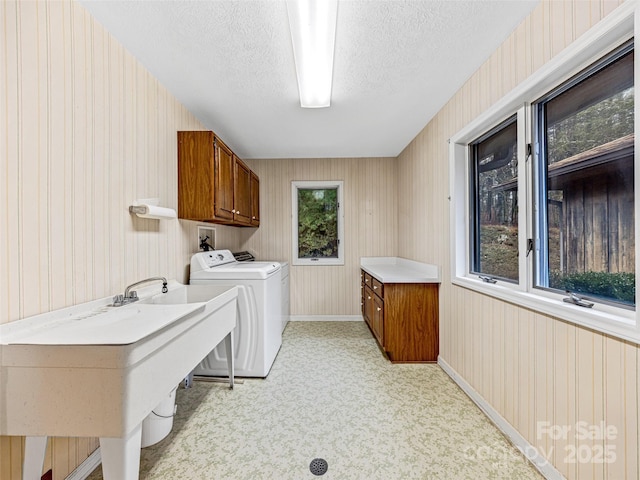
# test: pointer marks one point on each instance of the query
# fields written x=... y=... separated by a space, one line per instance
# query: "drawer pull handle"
x=379 y=309
x=375 y=287
x=369 y=298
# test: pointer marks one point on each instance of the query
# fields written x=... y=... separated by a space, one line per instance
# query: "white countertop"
x=400 y=270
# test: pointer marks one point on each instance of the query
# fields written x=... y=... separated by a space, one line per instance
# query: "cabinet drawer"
x=377 y=287
x=368 y=279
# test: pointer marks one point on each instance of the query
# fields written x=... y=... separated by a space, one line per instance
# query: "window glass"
x=494 y=223
x=317 y=223
x=587 y=231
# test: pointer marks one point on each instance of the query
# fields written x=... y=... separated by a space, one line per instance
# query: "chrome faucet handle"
x=131 y=296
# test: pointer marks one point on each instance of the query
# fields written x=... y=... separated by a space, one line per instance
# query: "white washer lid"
x=238 y=271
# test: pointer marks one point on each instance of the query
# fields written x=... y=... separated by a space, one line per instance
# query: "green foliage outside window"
x=318 y=223
x=619 y=286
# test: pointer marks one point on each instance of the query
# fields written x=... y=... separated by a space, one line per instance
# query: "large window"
x=543 y=199
x=317 y=223
x=585 y=178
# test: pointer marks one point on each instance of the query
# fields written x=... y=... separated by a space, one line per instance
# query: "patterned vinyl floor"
x=332 y=395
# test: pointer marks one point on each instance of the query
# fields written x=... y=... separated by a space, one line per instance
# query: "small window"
x=494 y=203
x=317 y=223
x=586 y=181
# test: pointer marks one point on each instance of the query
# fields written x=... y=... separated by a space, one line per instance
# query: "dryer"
x=258 y=334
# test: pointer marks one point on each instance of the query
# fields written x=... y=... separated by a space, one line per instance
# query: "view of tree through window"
x=495 y=221
x=318 y=223
x=588 y=154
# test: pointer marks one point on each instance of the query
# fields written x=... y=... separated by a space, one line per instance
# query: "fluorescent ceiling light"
x=313 y=33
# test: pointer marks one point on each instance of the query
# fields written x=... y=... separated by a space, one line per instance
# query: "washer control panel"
x=215 y=258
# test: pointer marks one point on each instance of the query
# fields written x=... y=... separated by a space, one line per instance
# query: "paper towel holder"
x=148 y=208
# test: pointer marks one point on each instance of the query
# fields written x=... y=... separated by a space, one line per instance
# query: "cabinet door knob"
x=379 y=309
x=375 y=287
x=369 y=298
x=233 y=211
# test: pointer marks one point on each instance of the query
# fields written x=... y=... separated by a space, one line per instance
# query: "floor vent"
x=318 y=466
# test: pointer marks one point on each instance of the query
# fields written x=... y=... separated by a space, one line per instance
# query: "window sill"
x=317 y=263
x=618 y=323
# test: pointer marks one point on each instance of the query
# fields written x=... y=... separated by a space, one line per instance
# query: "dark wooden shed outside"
x=592 y=208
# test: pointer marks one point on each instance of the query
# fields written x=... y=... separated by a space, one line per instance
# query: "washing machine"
x=258 y=333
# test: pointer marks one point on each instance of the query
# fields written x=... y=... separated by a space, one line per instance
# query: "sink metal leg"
x=121 y=456
x=228 y=345
x=188 y=380
x=34 y=452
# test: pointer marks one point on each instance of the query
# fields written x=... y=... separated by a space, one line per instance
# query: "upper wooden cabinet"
x=255 y=200
x=241 y=192
x=214 y=185
x=223 y=183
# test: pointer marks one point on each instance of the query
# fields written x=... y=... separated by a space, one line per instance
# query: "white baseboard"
x=87 y=467
x=538 y=461
x=326 y=318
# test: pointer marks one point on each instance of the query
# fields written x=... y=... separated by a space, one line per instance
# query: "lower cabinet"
x=374 y=314
x=403 y=318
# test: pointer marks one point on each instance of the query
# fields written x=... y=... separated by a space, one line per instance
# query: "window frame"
x=609 y=34
x=474 y=217
x=542 y=274
x=308 y=185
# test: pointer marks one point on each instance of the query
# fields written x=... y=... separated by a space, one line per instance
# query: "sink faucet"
x=132 y=296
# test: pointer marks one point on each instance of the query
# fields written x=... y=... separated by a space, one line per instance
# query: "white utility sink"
x=105 y=326
x=97 y=371
x=184 y=295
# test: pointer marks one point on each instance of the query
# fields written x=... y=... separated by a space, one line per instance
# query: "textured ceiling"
x=230 y=62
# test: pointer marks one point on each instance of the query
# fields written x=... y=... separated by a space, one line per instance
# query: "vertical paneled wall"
x=84 y=131
x=536 y=371
x=371 y=226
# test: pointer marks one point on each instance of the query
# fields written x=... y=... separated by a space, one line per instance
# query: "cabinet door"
x=242 y=193
x=255 y=200
x=223 y=182
x=377 y=323
x=195 y=176
x=368 y=306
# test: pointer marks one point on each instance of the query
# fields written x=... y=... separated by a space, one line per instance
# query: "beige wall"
x=371 y=225
x=84 y=131
x=529 y=367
